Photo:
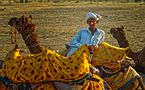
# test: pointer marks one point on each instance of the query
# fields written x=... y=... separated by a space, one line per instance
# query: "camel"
x=138 y=56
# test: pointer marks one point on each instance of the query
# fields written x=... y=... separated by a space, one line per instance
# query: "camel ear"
x=122 y=27
x=111 y=30
x=30 y=16
x=23 y=19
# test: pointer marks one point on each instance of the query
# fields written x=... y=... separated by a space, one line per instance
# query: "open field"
x=57 y=23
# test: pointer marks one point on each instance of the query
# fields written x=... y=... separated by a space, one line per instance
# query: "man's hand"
x=94 y=70
x=92 y=48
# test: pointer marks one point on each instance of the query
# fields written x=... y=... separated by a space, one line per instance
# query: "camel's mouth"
x=9 y=23
x=12 y=21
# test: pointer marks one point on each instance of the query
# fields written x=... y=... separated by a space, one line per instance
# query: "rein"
x=13 y=34
x=27 y=30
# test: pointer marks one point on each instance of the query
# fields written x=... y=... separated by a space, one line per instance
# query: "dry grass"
x=57 y=23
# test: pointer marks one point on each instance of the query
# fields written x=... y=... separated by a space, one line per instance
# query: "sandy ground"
x=57 y=23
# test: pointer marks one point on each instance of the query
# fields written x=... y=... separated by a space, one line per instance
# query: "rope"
x=13 y=36
x=106 y=72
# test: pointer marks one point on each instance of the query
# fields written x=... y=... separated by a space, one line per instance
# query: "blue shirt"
x=84 y=36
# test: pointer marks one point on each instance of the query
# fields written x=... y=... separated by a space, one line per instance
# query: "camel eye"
x=17 y=21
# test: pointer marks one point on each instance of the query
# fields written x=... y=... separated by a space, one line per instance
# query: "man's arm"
x=75 y=42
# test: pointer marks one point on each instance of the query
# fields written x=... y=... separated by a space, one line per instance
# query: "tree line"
x=28 y=1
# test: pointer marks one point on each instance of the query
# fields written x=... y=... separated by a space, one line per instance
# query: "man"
x=92 y=36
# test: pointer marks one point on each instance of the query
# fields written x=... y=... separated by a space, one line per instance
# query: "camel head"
x=26 y=28
x=118 y=32
x=22 y=24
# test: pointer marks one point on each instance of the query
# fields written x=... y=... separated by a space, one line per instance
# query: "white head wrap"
x=92 y=15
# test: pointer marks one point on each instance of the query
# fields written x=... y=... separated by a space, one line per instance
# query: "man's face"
x=92 y=23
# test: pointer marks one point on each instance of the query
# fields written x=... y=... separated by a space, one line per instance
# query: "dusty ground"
x=57 y=23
